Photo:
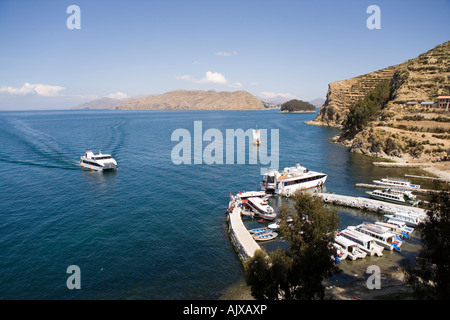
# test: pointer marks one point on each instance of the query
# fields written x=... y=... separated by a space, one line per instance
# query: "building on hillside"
x=428 y=104
x=443 y=101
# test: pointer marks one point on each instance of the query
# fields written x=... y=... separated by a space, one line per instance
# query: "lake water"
x=152 y=229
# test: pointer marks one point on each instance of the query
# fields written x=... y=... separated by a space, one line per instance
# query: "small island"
x=297 y=106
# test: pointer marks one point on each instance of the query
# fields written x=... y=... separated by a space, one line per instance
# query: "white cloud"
x=117 y=95
x=43 y=90
x=270 y=95
x=185 y=77
x=213 y=77
x=226 y=54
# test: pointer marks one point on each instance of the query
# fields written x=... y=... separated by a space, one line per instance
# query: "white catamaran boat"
x=382 y=235
x=261 y=208
x=364 y=242
x=352 y=248
x=292 y=179
x=394 y=196
x=98 y=162
x=397 y=183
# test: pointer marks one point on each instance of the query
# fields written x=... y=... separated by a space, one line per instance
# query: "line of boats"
x=356 y=242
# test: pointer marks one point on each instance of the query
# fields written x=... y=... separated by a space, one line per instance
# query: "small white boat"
x=265 y=236
x=340 y=253
x=352 y=248
x=398 y=183
x=364 y=241
x=398 y=197
x=382 y=235
x=261 y=208
x=256 y=136
x=97 y=162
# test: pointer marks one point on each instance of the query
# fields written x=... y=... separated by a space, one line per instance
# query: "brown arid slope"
x=195 y=100
x=421 y=79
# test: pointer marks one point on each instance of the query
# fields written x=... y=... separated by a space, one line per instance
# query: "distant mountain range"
x=189 y=100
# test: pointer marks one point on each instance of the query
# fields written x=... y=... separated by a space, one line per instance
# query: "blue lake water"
x=152 y=229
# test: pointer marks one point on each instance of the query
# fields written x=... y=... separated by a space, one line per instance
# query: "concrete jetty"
x=368 y=204
x=242 y=240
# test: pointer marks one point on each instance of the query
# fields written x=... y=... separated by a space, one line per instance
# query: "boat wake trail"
x=28 y=146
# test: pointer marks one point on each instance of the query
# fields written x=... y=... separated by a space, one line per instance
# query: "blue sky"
x=127 y=48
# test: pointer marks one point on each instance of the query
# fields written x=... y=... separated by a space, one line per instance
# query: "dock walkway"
x=243 y=242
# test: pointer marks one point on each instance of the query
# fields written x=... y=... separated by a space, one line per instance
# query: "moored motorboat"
x=352 y=248
x=383 y=236
x=364 y=241
x=394 y=196
x=265 y=236
x=292 y=179
x=401 y=230
x=261 y=208
x=409 y=219
x=397 y=183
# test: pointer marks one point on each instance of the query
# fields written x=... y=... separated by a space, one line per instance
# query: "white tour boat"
x=398 y=183
x=352 y=248
x=398 y=227
x=409 y=219
x=261 y=208
x=292 y=179
x=382 y=235
x=364 y=241
x=98 y=162
x=398 y=197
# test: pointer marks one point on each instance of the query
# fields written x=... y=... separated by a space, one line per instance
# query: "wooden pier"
x=242 y=240
x=368 y=204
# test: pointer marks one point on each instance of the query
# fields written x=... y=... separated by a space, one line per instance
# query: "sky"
x=288 y=48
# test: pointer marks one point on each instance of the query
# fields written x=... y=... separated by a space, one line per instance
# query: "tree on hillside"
x=430 y=277
x=298 y=272
x=367 y=109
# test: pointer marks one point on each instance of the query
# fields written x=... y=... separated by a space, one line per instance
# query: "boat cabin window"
x=101 y=158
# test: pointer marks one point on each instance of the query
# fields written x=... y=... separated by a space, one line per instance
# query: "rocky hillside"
x=419 y=79
x=195 y=100
x=182 y=100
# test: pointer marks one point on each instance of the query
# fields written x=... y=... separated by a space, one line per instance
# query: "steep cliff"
x=420 y=79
